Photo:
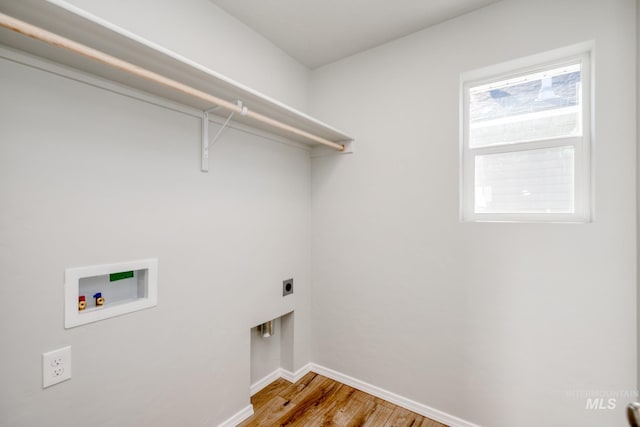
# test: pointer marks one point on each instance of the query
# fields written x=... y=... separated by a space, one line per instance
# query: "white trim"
x=506 y=69
x=262 y=383
x=297 y=375
x=239 y=417
x=419 y=408
x=280 y=373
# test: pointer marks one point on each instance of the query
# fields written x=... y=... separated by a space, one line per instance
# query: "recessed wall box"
x=109 y=290
x=287 y=287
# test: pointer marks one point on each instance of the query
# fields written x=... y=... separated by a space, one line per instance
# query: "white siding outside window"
x=526 y=144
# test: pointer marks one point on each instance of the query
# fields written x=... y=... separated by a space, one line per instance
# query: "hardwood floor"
x=316 y=401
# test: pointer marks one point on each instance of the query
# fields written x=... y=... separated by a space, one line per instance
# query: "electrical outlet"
x=56 y=366
x=287 y=287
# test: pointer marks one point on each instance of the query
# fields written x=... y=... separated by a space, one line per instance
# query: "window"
x=526 y=144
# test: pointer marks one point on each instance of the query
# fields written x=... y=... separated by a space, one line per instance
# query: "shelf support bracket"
x=205 y=132
x=205 y=135
x=205 y=141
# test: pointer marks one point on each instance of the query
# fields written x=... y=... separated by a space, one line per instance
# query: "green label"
x=120 y=276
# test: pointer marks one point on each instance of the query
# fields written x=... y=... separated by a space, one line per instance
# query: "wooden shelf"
x=68 y=21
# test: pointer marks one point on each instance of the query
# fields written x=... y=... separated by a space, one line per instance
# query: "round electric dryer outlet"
x=287 y=287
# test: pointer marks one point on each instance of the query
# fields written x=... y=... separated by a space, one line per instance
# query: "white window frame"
x=582 y=145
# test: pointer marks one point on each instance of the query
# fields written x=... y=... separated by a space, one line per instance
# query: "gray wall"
x=502 y=324
x=88 y=176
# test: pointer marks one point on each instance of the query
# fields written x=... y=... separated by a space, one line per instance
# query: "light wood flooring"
x=316 y=401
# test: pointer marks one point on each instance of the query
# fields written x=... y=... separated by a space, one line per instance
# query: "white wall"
x=499 y=324
x=88 y=177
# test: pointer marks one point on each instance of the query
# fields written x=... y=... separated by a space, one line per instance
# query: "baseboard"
x=260 y=384
x=297 y=375
x=279 y=373
x=419 y=408
x=239 y=417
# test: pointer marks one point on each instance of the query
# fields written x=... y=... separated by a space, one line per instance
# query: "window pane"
x=537 y=106
x=530 y=181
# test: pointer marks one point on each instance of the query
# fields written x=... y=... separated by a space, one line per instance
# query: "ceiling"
x=318 y=32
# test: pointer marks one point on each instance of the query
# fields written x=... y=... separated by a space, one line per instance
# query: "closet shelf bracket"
x=205 y=131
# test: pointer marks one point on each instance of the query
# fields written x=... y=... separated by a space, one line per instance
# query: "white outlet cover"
x=56 y=366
